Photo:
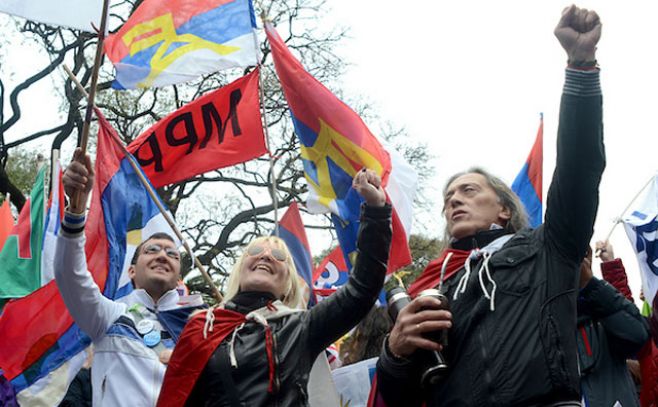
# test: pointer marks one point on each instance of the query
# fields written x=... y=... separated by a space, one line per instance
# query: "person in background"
x=610 y=330
x=366 y=340
x=645 y=369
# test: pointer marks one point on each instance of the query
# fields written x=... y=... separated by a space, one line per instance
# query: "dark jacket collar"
x=478 y=240
x=246 y=301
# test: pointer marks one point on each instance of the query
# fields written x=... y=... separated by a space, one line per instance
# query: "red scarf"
x=648 y=358
x=192 y=353
x=432 y=274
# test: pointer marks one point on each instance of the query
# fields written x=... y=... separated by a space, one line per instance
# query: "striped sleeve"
x=73 y=224
x=583 y=83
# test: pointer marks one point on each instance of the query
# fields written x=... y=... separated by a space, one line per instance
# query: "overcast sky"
x=470 y=79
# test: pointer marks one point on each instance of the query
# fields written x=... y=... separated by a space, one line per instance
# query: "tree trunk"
x=7 y=187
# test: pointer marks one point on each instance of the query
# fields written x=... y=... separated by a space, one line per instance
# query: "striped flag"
x=54 y=215
x=291 y=231
x=169 y=42
x=528 y=184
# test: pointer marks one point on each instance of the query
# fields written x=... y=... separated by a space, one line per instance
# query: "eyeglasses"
x=277 y=254
x=155 y=248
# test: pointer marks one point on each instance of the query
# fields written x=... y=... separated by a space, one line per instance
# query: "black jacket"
x=524 y=352
x=79 y=392
x=610 y=330
x=299 y=338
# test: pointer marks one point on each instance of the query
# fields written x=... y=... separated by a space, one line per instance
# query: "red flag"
x=6 y=222
x=330 y=274
x=192 y=352
x=431 y=276
x=220 y=129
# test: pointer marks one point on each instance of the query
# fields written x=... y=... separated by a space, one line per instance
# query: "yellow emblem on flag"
x=162 y=29
x=343 y=152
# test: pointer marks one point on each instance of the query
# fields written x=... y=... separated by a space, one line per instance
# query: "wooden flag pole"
x=275 y=197
x=94 y=77
x=218 y=296
x=76 y=205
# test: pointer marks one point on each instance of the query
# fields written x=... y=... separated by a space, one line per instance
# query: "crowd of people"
x=527 y=322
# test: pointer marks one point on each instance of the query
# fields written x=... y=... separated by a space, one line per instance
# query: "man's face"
x=157 y=269
x=264 y=269
x=471 y=205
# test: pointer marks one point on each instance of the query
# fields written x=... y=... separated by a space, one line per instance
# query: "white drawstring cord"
x=252 y=316
x=484 y=269
x=231 y=347
x=444 y=267
x=463 y=282
x=210 y=322
x=482 y=286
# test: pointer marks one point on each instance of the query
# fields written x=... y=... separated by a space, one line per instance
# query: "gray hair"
x=506 y=197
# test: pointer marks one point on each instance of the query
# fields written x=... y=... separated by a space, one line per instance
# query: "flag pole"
x=169 y=220
x=275 y=198
x=618 y=219
x=84 y=137
x=156 y=199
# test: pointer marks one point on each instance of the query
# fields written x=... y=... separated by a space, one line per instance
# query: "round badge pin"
x=145 y=326
x=152 y=338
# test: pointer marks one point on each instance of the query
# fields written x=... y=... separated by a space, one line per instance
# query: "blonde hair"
x=293 y=292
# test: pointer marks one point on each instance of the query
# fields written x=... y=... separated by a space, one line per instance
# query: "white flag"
x=51 y=226
x=642 y=227
x=78 y=14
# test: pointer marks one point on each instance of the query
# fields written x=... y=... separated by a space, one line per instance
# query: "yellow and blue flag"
x=169 y=42
x=335 y=145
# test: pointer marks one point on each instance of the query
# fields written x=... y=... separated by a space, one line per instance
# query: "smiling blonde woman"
x=258 y=349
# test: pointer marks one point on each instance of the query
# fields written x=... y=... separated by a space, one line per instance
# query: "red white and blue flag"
x=291 y=231
x=335 y=145
x=168 y=42
x=54 y=214
x=330 y=274
x=528 y=184
x=38 y=338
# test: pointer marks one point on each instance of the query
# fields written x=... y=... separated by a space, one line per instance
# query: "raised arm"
x=93 y=312
x=625 y=328
x=573 y=195
x=336 y=315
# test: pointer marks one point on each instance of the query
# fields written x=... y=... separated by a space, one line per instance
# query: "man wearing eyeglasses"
x=133 y=336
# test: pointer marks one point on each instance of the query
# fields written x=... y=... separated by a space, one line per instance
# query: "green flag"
x=20 y=258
